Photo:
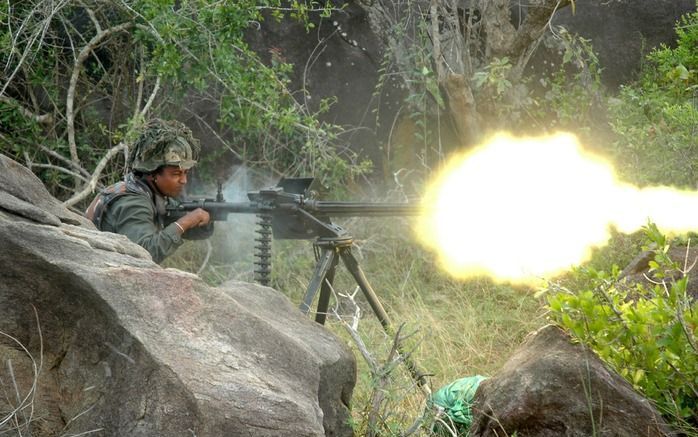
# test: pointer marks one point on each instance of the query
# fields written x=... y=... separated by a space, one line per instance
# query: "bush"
x=646 y=332
x=656 y=119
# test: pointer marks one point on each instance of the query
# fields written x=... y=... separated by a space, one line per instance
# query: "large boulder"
x=551 y=387
x=338 y=59
x=95 y=336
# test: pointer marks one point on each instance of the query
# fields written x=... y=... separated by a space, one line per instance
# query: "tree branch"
x=539 y=15
x=61 y=169
x=92 y=183
x=42 y=119
x=64 y=159
x=82 y=56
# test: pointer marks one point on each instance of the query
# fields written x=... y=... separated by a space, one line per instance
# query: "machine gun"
x=289 y=210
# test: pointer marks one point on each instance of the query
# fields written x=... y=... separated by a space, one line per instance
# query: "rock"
x=24 y=194
x=338 y=60
x=134 y=350
x=551 y=388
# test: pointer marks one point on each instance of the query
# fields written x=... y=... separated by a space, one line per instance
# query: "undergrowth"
x=644 y=329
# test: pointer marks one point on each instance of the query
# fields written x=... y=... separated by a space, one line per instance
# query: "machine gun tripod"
x=329 y=250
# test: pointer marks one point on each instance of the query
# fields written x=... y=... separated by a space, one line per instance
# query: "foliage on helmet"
x=157 y=138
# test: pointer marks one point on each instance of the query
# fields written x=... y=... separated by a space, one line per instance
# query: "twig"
x=687 y=332
x=141 y=84
x=72 y=419
x=119 y=353
x=151 y=99
x=83 y=433
x=213 y=131
x=436 y=40
x=353 y=332
x=28 y=400
x=39 y=34
x=18 y=395
x=450 y=427
x=61 y=169
x=64 y=159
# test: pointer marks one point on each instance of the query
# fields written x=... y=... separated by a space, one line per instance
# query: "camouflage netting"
x=153 y=143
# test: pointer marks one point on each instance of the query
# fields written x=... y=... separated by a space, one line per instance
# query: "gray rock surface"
x=131 y=349
x=552 y=388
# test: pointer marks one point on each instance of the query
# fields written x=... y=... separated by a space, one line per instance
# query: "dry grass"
x=460 y=328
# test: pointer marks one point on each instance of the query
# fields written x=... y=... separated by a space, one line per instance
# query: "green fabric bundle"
x=456 y=399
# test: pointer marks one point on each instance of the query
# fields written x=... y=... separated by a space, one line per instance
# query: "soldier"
x=135 y=207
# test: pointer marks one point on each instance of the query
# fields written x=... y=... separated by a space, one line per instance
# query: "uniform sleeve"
x=132 y=216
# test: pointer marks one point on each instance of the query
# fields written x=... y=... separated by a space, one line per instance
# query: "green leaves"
x=655 y=118
x=186 y=50
x=494 y=75
x=647 y=333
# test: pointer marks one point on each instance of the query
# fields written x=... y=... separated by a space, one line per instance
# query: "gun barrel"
x=220 y=210
x=361 y=209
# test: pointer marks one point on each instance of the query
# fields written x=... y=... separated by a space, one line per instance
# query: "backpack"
x=131 y=185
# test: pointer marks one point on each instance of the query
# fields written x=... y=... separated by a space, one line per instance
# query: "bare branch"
x=28 y=400
x=208 y=255
x=82 y=56
x=539 y=14
x=64 y=159
x=37 y=34
x=151 y=99
x=436 y=39
x=92 y=183
x=140 y=80
x=214 y=132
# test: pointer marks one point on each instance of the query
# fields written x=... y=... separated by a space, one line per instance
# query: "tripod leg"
x=327 y=259
x=325 y=290
x=360 y=277
x=372 y=298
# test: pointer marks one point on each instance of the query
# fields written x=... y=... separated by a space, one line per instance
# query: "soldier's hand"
x=197 y=217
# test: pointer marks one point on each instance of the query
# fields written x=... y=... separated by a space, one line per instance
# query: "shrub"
x=646 y=332
x=656 y=119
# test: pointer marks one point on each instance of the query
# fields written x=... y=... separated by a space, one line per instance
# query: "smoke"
x=234 y=239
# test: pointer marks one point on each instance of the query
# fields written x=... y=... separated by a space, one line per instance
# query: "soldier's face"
x=170 y=180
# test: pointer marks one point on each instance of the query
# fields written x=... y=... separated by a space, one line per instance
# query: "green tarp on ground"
x=456 y=399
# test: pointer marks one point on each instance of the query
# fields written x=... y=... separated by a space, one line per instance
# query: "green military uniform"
x=134 y=209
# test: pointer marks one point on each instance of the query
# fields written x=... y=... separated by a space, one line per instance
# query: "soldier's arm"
x=132 y=216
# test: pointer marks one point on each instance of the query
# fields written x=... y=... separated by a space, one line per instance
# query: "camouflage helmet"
x=163 y=143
